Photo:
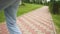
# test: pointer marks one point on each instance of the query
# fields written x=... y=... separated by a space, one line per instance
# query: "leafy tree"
x=54 y=6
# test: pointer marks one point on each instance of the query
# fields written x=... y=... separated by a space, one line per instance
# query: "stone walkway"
x=38 y=21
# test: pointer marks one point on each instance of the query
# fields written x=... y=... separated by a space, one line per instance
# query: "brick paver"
x=38 y=21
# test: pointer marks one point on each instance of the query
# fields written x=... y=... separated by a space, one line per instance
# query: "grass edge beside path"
x=21 y=10
x=56 y=19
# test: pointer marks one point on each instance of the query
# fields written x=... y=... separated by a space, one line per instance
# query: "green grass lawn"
x=21 y=10
x=27 y=8
x=2 y=17
x=56 y=19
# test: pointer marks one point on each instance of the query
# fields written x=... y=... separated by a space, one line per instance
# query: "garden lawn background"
x=56 y=19
x=21 y=10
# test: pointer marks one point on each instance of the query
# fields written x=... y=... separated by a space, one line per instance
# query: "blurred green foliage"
x=54 y=7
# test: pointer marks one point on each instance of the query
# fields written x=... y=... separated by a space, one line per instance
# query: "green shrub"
x=55 y=7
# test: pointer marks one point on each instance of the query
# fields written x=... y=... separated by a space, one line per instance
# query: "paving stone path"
x=38 y=21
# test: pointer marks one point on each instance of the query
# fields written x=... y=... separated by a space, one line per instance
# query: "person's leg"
x=10 y=13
